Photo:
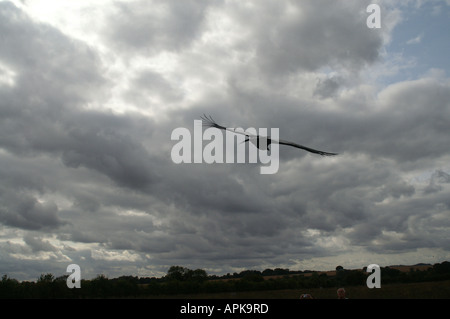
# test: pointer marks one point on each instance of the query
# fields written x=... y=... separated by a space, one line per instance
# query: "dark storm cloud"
x=308 y=35
x=415 y=127
x=152 y=27
x=405 y=122
x=438 y=178
x=23 y=183
x=24 y=211
x=327 y=87
x=105 y=149
x=37 y=244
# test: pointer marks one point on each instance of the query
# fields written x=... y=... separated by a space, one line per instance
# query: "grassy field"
x=424 y=290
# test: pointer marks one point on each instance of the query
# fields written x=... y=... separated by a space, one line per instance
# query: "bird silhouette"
x=261 y=142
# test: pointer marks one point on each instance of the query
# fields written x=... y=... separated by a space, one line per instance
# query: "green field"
x=423 y=290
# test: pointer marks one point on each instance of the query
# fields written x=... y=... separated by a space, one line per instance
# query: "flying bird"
x=261 y=142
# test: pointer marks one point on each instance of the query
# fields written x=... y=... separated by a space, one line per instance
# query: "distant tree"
x=442 y=268
x=268 y=272
x=281 y=271
x=6 y=279
x=46 y=278
x=8 y=287
x=100 y=286
x=62 y=278
x=198 y=275
x=177 y=273
x=339 y=268
x=355 y=277
x=253 y=277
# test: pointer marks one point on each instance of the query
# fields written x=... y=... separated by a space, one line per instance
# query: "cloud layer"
x=85 y=125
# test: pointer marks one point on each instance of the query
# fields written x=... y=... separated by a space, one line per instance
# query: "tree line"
x=182 y=280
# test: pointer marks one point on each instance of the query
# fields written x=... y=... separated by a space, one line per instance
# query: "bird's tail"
x=208 y=121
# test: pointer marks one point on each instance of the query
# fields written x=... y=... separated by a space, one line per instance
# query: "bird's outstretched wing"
x=208 y=121
x=283 y=142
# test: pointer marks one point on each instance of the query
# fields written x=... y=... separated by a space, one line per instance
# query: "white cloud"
x=415 y=40
x=105 y=255
x=7 y=76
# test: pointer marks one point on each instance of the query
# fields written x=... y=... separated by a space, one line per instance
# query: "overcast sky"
x=90 y=92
